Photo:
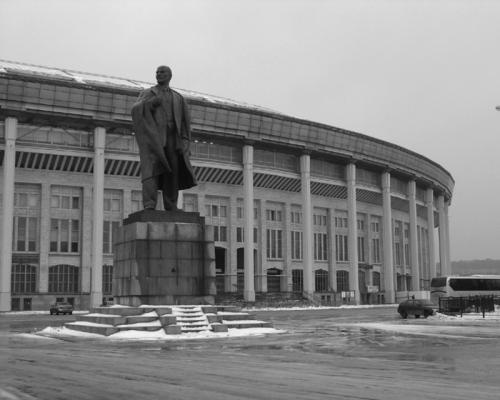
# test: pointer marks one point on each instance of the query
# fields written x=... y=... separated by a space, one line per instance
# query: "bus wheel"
x=404 y=315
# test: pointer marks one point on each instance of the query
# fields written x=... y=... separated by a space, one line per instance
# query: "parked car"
x=415 y=307
x=61 y=308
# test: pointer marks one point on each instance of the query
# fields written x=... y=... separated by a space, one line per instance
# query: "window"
x=112 y=200
x=376 y=250
x=376 y=279
x=361 y=225
x=320 y=247
x=397 y=229
x=109 y=231
x=239 y=212
x=65 y=202
x=136 y=201
x=397 y=253
x=295 y=217
x=375 y=226
x=296 y=245
x=341 y=251
x=342 y=281
x=297 y=280
x=63 y=279
x=220 y=233
x=361 y=249
x=321 y=280
x=23 y=278
x=215 y=210
x=273 y=215
x=319 y=220
x=25 y=234
x=64 y=235
x=107 y=279
x=340 y=222
x=240 y=235
x=274 y=244
x=407 y=254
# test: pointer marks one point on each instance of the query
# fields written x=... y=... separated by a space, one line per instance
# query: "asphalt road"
x=327 y=354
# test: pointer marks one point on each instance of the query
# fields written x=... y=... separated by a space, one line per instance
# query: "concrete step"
x=107 y=319
x=147 y=317
x=230 y=316
x=141 y=326
x=228 y=308
x=118 y=310
x=89 y=327
x=160 y=310
x=243 y=324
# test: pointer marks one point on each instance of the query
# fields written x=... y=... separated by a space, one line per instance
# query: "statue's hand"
x=154 y=101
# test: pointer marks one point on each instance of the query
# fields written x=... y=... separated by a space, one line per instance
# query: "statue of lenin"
x=162 y=130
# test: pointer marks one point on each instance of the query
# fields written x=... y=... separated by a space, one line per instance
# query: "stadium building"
x=297 y=206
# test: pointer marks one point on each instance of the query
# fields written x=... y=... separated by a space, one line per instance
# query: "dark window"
x=63 y=279
x=297 y=280
x=321 y=280
x=438 y=282
x=107 y=279
x=23 y=278
x=342 y=281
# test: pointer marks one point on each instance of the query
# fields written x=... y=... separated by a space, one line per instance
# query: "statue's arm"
x=187 y=127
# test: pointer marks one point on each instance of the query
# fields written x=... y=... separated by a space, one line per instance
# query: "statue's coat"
x=150 y=127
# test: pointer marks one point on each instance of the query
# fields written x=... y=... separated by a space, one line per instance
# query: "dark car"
x=61 y=308
x=415 y=307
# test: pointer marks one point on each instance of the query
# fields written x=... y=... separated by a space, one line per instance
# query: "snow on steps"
x=173 y=319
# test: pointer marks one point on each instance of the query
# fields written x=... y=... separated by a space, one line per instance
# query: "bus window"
x=438 y=282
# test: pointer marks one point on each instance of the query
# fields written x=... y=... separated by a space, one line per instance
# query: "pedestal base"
x=163 y=257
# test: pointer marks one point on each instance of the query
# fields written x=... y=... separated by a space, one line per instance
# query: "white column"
x=9 y=168
x=249 y=285
x=352 y=236
x=415 y=267
x=43 y=286
x=443 y=261
x=387 y=235
x=447 y=226
x=332 y=262
x=305 y=177
x=286 y=278
x=97 y=217
x=430 y=232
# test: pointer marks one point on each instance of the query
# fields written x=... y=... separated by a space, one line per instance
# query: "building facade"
x=296 y=206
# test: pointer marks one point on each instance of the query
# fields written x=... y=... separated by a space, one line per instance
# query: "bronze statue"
x=163 y=133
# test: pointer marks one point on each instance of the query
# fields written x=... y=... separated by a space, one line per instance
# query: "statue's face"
x=163 y=75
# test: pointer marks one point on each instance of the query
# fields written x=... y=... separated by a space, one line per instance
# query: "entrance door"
x=273 y=280
x=220 y=269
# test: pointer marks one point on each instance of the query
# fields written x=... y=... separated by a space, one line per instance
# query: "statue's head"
x=163 y=75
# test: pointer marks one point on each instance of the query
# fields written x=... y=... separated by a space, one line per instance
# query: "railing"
x=462 y=305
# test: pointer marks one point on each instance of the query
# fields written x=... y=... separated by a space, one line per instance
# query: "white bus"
x=464 y=286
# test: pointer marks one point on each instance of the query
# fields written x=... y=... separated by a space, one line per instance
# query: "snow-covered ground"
x=62 y=332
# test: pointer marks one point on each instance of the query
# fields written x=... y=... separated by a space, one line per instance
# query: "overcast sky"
x=422 y=74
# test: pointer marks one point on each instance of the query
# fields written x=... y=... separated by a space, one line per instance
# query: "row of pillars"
x=308 y=243
x=249 y=289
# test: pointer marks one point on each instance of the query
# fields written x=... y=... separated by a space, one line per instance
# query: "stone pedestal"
x=164 y=257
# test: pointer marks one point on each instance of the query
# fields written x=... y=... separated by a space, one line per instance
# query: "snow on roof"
x=112 y=82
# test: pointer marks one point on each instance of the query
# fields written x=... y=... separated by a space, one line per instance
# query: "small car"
x=61 y=308
x=415 y=307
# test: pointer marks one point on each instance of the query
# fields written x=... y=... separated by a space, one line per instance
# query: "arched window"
x=107 y=279
x=342 y=281
x=23 y=278
x=376 y=279
x=321 y=280
x=63 y=278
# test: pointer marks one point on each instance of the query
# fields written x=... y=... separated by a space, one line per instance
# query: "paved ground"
x=327 y=354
